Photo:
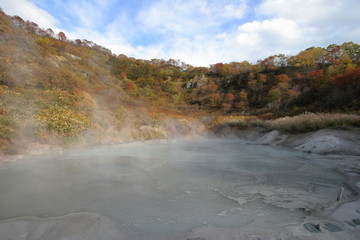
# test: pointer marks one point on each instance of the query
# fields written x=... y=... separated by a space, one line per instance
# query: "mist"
x=77 y=162
x=172 y=188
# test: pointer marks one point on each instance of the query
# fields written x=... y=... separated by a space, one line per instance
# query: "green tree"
x=274 y=96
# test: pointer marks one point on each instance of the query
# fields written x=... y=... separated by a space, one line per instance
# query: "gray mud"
x=344 y=141
x=183 y=189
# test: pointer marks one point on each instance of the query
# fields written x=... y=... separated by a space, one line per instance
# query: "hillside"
x=58 y=92
x=316 y=79
x=74 y=92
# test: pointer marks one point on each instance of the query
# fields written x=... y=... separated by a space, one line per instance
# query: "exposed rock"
x=197 y=81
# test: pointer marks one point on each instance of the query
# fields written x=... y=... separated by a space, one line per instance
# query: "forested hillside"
x=316 y=79
x=59 y=91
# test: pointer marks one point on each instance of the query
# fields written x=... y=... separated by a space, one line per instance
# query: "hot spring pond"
x=173 y=186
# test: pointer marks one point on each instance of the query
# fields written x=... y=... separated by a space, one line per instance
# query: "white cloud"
x=193 y=30
x=315 y=12
x=274 y=32
x=189 y=17
x=90 y=14
x=27 y=10
x=289 y=27
x=190 y=30
x=174 y=17
x=114 y=42
x=258 y=39
x=235 y=11
x=333 y=20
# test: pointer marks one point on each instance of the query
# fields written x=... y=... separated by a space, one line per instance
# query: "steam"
x=170 y=187
x=115 y=116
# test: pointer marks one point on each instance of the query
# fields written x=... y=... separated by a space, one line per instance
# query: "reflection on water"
x=172 y=186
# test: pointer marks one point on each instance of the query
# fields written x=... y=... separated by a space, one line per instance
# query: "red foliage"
x=78 y=42
x=123 y=75
x=42 y=32
x=18 y=21
x=50 y=32
x=268 y=63
x=130 y=86
x=62 y=36
x=347 y=78
x=60 y=46
x=315 y=74
x=31 y=27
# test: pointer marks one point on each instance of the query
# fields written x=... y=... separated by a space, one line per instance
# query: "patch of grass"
x=307 y=122
x=6 y=127
x=55 y=97
x=148 y=132
x=240 y=122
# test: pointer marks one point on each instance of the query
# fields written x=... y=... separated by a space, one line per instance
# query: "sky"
x=198 y=32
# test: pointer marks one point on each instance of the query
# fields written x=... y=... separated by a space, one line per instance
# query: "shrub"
x=55 y=97
x=129 y=85
x=314 y=121
x=305 y=122
x=63 y=120
x=6 y=127
x=148 y=132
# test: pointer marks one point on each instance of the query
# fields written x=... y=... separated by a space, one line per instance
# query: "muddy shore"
x=336 y=141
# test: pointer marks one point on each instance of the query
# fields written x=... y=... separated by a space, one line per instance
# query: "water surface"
x=172 y=186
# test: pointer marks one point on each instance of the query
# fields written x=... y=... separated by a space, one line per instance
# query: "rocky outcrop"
x=197 y=81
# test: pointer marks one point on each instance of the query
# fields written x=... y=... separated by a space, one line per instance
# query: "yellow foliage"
x=63 y=120
x=314 y=121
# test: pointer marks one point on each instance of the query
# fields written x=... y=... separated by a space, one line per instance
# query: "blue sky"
x=198 y=32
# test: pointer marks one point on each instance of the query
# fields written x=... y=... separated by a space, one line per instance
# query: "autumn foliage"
x=51 y=85
x=352 y=77
x=129 y=85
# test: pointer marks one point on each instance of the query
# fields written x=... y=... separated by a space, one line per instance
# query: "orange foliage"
x=123 y=75
x=316 y=74
x=130 y=86
x=263 y=78
x=229 y=98
x=291 y=93
x=283 y=78
x=347 y=78
x=214 y=99
x=243 y=96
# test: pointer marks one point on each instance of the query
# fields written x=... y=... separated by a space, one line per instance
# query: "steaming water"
x=172 y=186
